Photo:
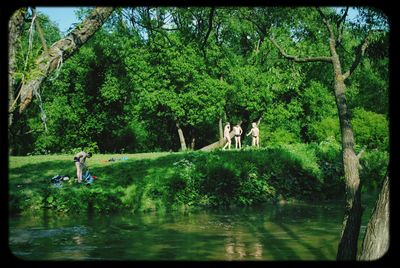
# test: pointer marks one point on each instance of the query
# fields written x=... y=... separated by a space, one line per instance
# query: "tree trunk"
x=14 y=29
x=216 y=144
x=181 y=138
x=193 y=143
x=221 y=131
x=347 y=249
x=376 y=240
x=59 y=52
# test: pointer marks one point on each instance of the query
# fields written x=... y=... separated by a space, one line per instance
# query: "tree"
x=14 y=28
x=51 y=59
x=347 y=249
x=376 y=240
x=179 y=91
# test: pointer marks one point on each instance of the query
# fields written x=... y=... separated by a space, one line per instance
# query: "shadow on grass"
x=33 y=182
x=40 y=172
x=112 y=173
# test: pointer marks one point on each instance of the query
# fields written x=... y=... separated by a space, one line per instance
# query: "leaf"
x=50 y=199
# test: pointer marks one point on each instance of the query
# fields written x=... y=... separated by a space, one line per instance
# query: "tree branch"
x=339 y=25
x=48 y=61
x=39 y=29
x=328 y=26
x=360 y=53
x=262 y=28
x=297 y=59
x=210 y=21
x=339 y=22
x=361 y=152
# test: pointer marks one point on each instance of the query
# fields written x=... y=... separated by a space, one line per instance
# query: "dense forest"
x=151 y=71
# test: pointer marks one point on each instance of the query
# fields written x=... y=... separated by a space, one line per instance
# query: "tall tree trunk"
x=376 y=240
x=347 y=249
x=59 y=52
x=14 y=29
x=181 y=137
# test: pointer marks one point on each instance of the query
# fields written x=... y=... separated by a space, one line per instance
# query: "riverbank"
x=173 y=181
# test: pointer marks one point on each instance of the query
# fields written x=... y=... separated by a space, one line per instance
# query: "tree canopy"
x=148 y=69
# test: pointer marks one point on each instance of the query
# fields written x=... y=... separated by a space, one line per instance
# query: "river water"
x=273 y=232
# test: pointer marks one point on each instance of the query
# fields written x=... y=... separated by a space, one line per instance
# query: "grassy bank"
x=160 y=181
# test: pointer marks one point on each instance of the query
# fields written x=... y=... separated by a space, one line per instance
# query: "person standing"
x=227 y=136
x=79 y=160
x=237 y=130
x=255 y=133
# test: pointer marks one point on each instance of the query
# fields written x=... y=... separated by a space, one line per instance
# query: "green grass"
x=29 y=177
x=154 y=181
x=31 y=169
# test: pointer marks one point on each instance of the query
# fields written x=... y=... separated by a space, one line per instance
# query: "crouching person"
x=79 y=160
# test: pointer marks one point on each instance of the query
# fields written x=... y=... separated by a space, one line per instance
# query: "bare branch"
x=339 y=22
x=327 y=24
x=297 y=59
x=339 y=25
x=261 y=27
x=361 y=152
x=360 y=53
x=39 y=29
x=210 y=21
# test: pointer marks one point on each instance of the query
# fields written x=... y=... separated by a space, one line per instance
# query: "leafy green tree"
x=179 y=90
x=335 y=28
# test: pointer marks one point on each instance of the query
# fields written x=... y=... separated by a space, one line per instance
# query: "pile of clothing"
x=58 y=179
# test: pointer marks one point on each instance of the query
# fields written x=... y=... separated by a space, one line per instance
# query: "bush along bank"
x=220 y=179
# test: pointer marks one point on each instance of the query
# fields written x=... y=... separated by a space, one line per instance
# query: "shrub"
x=221 y=182
x=370 y=129
x=183 y=186
x=254 y=189
x=374 y=164
x=282 y=136
x=329 y=159
x=131 y=197
x=321 y=130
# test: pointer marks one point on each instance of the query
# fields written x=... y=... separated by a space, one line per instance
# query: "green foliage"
x=183 y=186
x=306 y=155
x=221 y=182
x=128 y=86
x=281 y=136
x=370 y=129
x=255 y=189
x=327 y=128
x=329 y=159
x=319 y=102
x=374 y=165
x=189 y=180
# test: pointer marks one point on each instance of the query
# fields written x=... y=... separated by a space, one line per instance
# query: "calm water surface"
x=274 y=232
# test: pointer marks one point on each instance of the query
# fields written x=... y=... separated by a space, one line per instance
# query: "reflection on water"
x=275 y=232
